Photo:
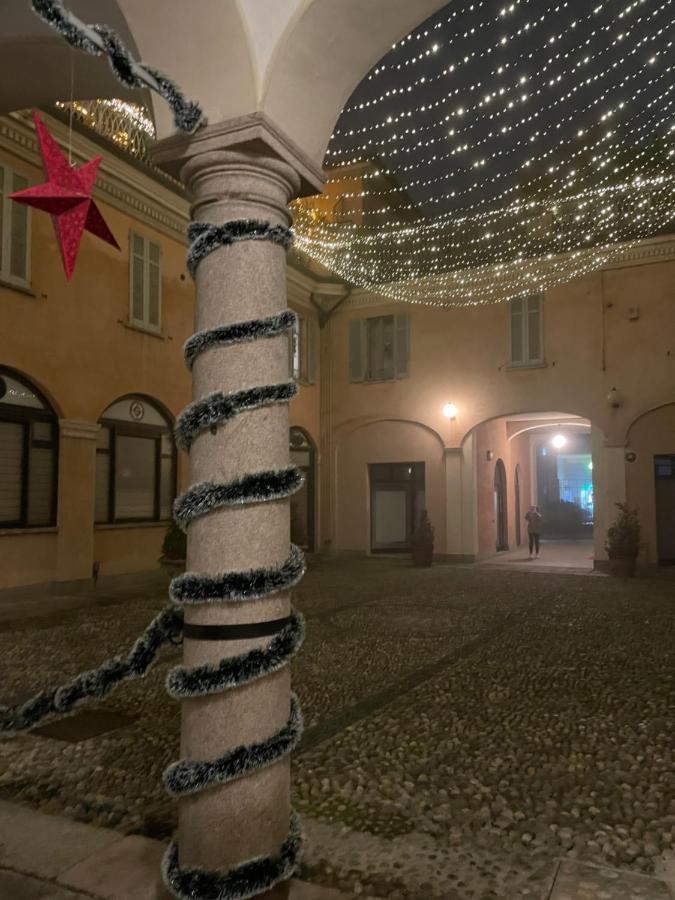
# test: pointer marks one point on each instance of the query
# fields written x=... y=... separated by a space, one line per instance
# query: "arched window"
x=135 y=463
x=302 y=503
x=29 y=446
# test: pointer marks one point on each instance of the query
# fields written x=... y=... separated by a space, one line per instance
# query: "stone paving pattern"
x=466 y=727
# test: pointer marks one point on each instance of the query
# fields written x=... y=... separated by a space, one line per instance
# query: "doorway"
x=397 y=500
x=500 y=506
x=303 y=455
x=517 y=505
x=664 y=477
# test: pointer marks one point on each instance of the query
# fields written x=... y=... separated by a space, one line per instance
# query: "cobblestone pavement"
x=481 y=724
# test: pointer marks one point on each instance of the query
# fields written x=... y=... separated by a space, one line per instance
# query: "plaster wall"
x=652 y=434
x=384 y=441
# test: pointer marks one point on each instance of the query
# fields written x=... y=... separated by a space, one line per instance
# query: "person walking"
x=534 y=520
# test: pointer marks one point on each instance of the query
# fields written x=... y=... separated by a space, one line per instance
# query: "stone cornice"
x=123 y=186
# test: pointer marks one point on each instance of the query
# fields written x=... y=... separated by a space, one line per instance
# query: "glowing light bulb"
x=559 y=441
x=450 y=411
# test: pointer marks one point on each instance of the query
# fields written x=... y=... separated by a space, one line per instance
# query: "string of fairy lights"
x=450 y=188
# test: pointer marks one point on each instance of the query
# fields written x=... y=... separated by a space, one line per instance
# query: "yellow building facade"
x=92 y=373
x=92 y=377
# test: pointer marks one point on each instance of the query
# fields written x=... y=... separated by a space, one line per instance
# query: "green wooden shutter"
x=357 y=367
x=401 y=344
x=137 y=277
x=18 y=257
x=154 y=284
x=534 y=331
x=517 y=342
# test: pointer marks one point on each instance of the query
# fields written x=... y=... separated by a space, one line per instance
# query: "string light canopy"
x=501 y=150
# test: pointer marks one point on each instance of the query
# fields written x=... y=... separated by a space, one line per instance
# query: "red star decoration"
x=66 y=195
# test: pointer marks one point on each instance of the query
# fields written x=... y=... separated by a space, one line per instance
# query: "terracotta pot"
x=422 y=555
x=622 y=567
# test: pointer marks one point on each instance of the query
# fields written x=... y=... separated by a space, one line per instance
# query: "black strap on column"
x=234 y=632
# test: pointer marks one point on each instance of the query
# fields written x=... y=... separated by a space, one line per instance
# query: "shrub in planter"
x=423 y=542
x=174 y=548
x=623 y=541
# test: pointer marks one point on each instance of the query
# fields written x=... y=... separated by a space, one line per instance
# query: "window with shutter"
x=11 y=466
x=145 y=283
x=526 y=318
x=379 y=348
x=135 y=463
x=357 y=363
x=28 y=455
x=14 y=230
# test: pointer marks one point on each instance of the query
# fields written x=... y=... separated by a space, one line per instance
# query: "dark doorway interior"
x=517 y=498
x=303 y=455
x=397 y=500
x=664 y=475
x=500 y=506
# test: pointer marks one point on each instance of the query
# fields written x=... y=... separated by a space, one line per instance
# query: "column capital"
x=254 y=134
x=74 y=428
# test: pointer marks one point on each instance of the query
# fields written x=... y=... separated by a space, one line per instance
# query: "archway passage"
x=550 y=458
x=500 y=501
x=303 y=455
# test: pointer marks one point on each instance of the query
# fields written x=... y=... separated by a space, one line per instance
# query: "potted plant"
x=423 y=542
x=174 y=550
x=623 y=541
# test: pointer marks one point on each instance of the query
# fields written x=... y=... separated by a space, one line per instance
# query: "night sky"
x=528 y=63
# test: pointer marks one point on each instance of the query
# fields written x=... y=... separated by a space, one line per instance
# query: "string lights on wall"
x=497 y=152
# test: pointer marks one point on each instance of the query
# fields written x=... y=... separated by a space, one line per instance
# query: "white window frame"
x=144 y=324
x=303 y=338
x=8 y=207
x=526 y=362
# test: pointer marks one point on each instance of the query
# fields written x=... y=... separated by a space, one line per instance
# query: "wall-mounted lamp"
x=450 y=411
x=489 y=455
x=614 y=398
x=559 y=441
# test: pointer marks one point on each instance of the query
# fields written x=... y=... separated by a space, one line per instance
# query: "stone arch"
x=36 y=384
x=361 y=445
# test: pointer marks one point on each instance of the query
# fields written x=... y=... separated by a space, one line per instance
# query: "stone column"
x=609 y=487
x=460 y=498
x=238 y=170
x=77 y=486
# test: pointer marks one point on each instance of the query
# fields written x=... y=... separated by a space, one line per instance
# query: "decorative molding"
x=120 y=184
x=74 y=428
x=255 y=131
